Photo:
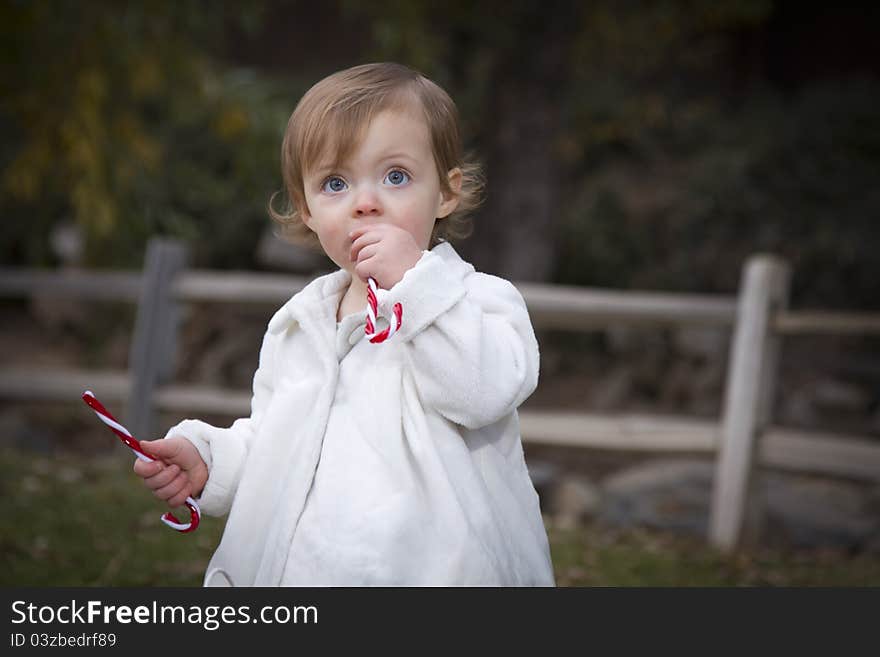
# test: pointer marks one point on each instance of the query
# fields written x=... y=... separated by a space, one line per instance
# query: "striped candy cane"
x=135 y=446
x=370 y=334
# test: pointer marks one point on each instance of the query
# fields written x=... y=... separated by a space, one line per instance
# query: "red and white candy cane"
x=135 y=446
x=372 y=307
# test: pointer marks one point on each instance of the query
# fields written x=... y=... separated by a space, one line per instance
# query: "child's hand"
x=177 y=473
x=383 y=251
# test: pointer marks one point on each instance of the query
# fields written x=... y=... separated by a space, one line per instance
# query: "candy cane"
x=135 y=446
x=373 y=293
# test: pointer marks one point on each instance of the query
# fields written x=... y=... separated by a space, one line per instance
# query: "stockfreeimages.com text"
x=211 y=617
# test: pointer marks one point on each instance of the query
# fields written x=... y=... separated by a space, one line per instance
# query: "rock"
x=575 y=499
x=811 y=512
x=667 y=494
x=799 y=510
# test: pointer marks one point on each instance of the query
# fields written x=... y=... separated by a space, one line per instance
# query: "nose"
x=367 y=203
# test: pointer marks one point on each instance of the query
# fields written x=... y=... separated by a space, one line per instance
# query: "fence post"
x=154 y=344
x=748 y=400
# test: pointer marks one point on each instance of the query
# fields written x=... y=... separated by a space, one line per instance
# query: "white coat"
x=392 y=464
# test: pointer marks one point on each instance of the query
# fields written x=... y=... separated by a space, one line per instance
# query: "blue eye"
x=397 y=177
x=333 y=184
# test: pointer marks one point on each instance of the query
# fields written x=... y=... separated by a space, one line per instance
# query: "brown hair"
x=333 y=115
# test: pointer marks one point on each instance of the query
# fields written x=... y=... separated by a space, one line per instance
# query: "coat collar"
x=318 y=301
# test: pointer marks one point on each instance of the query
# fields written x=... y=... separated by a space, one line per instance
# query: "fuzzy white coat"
x=424 y=426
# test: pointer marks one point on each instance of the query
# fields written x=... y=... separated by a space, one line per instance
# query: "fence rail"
x=741 y=438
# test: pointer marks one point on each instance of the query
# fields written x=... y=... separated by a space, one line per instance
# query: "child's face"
x=390 y=178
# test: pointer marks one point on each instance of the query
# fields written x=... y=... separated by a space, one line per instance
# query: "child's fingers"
x=180 y=498
x=168 y=491
x=366 y=269
x=161 y=448
x=165 y=449
x=361 y=241
x=147 y=468
x=162 y=478
x=367 y=252
x=362 y=230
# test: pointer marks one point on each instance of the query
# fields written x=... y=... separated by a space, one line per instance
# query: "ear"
x=449 y=200
x=306 y=217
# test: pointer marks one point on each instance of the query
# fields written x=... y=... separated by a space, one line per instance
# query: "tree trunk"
x=515 y=231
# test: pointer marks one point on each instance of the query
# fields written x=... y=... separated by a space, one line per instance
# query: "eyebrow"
x=398 y=155
x=326 y=169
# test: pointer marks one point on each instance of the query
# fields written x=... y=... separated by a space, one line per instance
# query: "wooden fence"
x=743 y=437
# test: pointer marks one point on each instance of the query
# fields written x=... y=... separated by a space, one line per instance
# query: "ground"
x=77 y=520
x=75 y=514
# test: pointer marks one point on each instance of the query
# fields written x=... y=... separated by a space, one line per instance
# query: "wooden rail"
x=741 y=438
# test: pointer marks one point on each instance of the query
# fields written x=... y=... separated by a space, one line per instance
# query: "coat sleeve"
x=469 y=342
x=224 y=449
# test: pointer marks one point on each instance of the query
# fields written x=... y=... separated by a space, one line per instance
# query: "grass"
x=600 y=556
x=71 y=520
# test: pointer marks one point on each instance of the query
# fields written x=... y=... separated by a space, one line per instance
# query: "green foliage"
x=116 y=117
x=675 y=182
x=678 y=161
x=698 y=195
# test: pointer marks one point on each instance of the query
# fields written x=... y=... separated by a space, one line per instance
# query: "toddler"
x=392 y=464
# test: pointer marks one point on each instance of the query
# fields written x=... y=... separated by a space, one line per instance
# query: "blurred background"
x=627 y=145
